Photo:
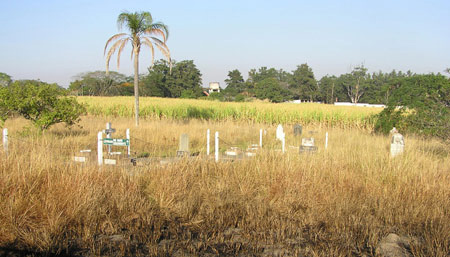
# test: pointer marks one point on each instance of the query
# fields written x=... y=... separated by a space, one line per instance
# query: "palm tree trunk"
x=136 y=86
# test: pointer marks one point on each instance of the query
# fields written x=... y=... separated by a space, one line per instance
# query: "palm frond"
x=157 y=32
x=161 y=26
x=111 y=52
x=123 y=18
x=165 y=50
x=122 y=46
x=116 y=36
x=161 y=44
x=148 y=43
x=147 y=17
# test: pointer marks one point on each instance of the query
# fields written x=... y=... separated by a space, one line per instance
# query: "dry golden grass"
x=339 y=202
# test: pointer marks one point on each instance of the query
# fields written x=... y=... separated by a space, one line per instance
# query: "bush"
x=420 y=105
x=41 y=103
x=188 y=94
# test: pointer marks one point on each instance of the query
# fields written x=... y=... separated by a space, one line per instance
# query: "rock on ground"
x=394 y=246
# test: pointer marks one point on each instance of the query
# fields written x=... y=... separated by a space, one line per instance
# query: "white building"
x=214 y=87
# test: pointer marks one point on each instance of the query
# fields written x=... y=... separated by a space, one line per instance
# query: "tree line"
x=301 y=84
x=183 y=79
x=417 y=103
x=274 y=85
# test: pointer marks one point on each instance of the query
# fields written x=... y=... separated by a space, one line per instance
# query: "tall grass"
x=338 y=202
x=257 y=112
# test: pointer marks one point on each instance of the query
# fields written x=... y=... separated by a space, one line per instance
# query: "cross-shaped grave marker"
x=108 y=131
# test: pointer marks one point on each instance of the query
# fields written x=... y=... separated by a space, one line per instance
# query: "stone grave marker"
x=308 y=145
x=251 y=150
x=280 y=132
x=297 y=130
x=397 y=143
x=281 y=136
x=233 y=151
x=183 y=149
x=79 y=158
x=110 y=161
x=83 y=156
x=108 y=131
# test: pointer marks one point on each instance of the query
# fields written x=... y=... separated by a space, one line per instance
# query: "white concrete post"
x=216 y=141
x=326 y=140
x=208 y=132
x=260 y=137
x=100 y=148
x=5 y=140
x=129 y=142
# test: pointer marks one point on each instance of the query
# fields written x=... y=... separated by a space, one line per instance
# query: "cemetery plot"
x=223 y=150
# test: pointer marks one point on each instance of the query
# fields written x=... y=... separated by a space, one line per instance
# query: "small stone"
x=394 y=246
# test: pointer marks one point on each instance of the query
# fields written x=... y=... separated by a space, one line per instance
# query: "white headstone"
x=110 y=161
x=397 y=143
x=231 y=153
x=308 y=145
x=184 y=143
x=308 y=141
x=79 y=159
x=280 y=132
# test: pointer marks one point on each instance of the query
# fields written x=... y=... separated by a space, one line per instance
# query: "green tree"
x=143 y=32
x=5 y=79
x=41 y=103
x=271 y=89
x=263 y=73
x=304 y=83
x=98 y=83
x=327 y=88
x=420 y=104
x=235 y=83
x=356 y=83
x=184 y=77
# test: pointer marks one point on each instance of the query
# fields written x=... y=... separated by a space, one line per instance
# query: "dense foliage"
x=184 y=80
x=5 y=79
x=98 y=83
x=419 y=104
x=41 y=103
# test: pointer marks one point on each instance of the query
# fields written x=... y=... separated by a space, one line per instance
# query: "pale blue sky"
x=55 y=40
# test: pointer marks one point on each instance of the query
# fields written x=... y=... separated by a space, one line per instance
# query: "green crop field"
x=259 y=112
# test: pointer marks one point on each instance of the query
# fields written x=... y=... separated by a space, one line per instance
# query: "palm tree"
x=143 y=32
